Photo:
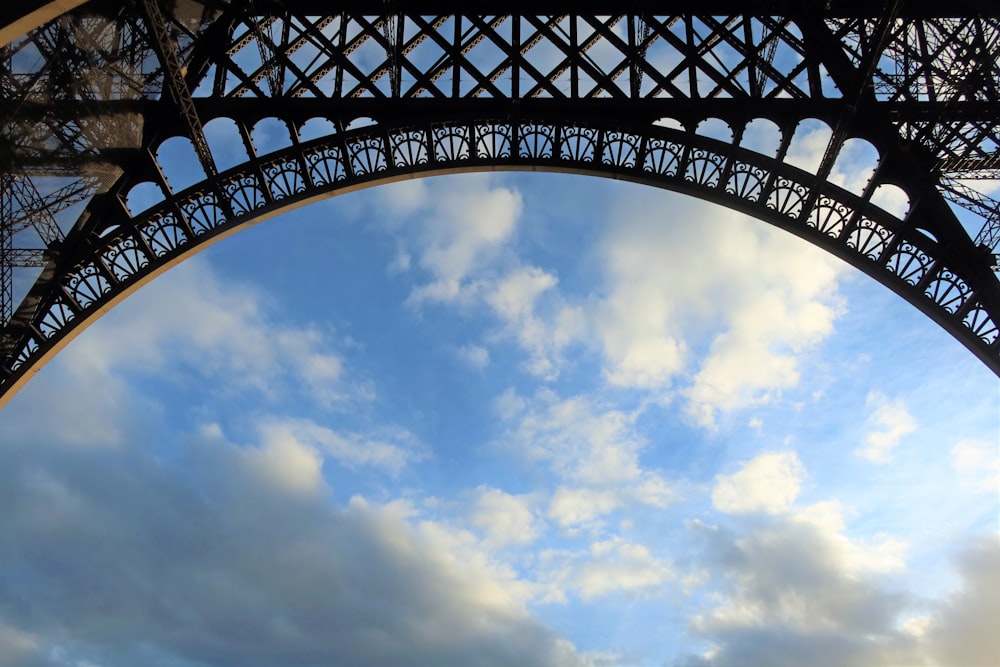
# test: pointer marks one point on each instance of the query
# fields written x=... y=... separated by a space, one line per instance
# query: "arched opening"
x=181 y=166
x=143 y=197
x=762 y=136
x=226 y=142
x=129 y=253
x=808 y=145
x=270 y=135
x=855 y=165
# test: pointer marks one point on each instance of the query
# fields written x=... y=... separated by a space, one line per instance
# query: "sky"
x=504 y=419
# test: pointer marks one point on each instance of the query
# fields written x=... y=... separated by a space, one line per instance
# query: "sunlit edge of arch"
x=42 y=14
x=81 y=325
x=681 y=184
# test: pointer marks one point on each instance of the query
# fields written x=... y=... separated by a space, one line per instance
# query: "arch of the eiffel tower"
x=99 y=96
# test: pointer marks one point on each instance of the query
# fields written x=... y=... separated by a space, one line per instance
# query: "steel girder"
x=618 y=89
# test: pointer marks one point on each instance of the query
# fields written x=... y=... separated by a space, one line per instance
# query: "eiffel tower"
x=98 y=95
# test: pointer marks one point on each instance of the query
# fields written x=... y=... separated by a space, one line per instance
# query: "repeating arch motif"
x=848 y=225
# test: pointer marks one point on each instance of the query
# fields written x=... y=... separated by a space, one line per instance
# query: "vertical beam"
x=6 y=244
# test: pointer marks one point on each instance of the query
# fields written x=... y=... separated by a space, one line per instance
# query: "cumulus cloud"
x=573 y=507
x=514 y=298
x=582 y=506
x=579 y=440
x=761 y=297
x=890 y=422
x=768 y=483
x=792 y=585
x=792 y=591
x=964 y=629
x=505 y=518
x=462 y=229
x=390 y=453
x=117 y=558
x=188 y=322
x=669 y=280
x=612 y=566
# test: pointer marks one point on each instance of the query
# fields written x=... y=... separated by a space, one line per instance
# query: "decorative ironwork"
x=431 y=87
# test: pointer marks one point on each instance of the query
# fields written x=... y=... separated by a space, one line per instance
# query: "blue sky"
x=499 y=419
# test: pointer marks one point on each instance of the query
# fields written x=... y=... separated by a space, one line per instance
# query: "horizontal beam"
x=18 y=18
x=208 y=108
x=831 y=8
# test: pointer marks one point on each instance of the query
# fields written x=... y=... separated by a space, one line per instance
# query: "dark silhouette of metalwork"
x=95 y=98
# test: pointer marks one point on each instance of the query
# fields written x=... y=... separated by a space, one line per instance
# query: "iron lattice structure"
x=96 y=95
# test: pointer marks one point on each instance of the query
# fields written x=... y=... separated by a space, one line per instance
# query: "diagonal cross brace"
x=173 y=75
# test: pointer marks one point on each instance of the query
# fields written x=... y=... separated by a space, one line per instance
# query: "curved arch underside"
x=663 y=134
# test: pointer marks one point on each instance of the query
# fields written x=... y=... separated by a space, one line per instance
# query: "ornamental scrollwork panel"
x=663 y=157
x=245 y=194
x=948 y=291
x=56 y=318
x=621 y=149
x=203 y=212
x=27 y=353
x=451 y=143
x=829 y=216
x=909 y=263
x=493 y=141
x=87 y=285
x=284 y=178
x=978 y=320
x=578 y=144
x=746 y=182
x=787 y=197
x=704 y=168
x=409 y=148
x=125 y=258
x=536 y=141
x=326 y=165
x=869 y=238
x=367 y=156
x=163 y=234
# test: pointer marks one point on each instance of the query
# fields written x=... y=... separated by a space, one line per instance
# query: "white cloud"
x=608 y=567
x=594 y=450
x=505 y=518
x=304 y=438
x=790 y=589
x=474 y=355
x=964 y=630
x=462 y=230
x=286 y=462
x=769 y=483
x=671 y=279
x=890 y=422
x=582 y=506
x=514 y=299
x=509 y=404
x=580 y=441
x=17 y=648
x=188 y=322
x=977 y=464
x=760 y=296
x=190 y=556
